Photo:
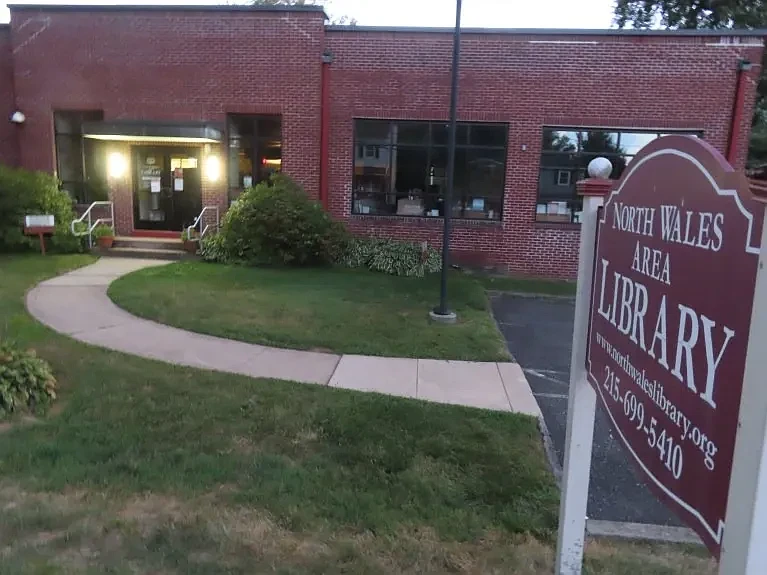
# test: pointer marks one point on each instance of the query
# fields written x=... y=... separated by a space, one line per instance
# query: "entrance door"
x=167 y=190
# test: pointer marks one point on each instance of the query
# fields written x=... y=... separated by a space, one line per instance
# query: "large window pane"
x=490 y=136
x=485 y=177
x=416 y=133
x=255 y=150
x=632 y=142
x=373 y=130
x=409 y=178
x=566 y=154
x=599 y=142
x=79 y=161
x=560 y=141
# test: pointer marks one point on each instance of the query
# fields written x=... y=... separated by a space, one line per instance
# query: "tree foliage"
x=712 y=15
x=342 y=19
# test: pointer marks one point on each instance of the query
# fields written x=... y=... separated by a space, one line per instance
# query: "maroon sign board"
x=674 y=276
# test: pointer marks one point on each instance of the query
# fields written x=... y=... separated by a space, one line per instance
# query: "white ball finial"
x=600 y=168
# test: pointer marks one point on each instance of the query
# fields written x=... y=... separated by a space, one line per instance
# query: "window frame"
x=431 y=146
x=578 y=155
x=256 y=147
x=78 y=189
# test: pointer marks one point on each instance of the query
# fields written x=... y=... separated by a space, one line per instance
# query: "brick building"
x=168 y=109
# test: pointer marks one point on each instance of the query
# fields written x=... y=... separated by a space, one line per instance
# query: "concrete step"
x=142 y=253
x=148 y=243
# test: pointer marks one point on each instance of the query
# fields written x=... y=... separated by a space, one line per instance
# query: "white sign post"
x=581 y=404
x=744 y=549
x=700 y=443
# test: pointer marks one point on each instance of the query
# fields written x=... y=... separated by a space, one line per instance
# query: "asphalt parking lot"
x=538 y=332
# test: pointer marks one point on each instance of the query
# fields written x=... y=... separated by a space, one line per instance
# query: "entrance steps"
x=146 y=248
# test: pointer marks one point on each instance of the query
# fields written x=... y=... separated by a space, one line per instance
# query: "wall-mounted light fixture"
x=18 y=117
x=116 y=165
x=212 y=168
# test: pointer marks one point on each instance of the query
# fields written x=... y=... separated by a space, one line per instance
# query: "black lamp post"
x=443 y=313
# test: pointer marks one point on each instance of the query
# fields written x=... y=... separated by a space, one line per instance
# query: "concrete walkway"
x=76 y=304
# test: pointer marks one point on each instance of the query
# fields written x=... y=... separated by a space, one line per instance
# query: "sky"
x=439 y=13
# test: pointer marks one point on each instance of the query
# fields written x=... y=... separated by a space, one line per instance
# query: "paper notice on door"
x=154 y=185
x=178 y=184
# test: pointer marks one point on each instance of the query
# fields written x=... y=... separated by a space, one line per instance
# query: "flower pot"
x=190 y=246
x=105 y=241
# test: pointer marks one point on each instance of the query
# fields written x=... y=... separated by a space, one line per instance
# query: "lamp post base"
x=448 y=317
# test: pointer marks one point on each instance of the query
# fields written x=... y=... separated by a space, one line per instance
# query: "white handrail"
x=198 y=223
x=91 y=224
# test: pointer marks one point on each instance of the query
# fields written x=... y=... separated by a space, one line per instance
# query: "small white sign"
x=247 y=181
x=178 y=184
x=39 y=221
x=155 y=186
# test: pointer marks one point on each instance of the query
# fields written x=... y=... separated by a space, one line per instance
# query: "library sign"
x=674 y=275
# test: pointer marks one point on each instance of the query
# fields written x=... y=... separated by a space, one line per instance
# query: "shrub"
x=275 y=223
x=26 y=381
x=212 y=249
x=24 y=193
x=103 y=231
x=391 y=257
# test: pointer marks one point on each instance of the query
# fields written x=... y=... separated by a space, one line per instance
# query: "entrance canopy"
x=138 y=131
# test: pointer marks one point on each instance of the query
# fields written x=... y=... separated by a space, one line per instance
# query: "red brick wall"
x=8 y=150
x=528 y=82
x=171 y=65
x=199 y=64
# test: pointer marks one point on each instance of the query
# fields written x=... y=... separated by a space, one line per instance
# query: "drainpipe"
x=327 y=60
x=737 y=113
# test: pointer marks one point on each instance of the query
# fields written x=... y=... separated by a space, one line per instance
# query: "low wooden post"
x=581 y=405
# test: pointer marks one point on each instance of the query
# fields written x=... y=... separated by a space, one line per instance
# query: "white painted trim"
x=581 y=410
x=744 y=551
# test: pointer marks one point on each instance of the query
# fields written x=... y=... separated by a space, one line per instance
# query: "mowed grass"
x=344 y=311
x=143 y=467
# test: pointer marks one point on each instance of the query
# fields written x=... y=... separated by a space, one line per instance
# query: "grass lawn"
x=345 y=311
x=142 y=467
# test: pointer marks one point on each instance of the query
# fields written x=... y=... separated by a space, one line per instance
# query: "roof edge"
x=761 y=33
x=163 y=8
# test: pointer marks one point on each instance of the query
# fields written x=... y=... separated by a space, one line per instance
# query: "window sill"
x=557 y=226
x=425 y=219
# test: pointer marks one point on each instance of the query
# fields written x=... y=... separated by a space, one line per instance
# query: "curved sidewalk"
x=76 y=304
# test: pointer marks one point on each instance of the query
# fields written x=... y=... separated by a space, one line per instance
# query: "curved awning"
x=171 y=132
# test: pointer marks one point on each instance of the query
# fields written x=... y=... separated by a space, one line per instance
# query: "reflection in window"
x=80 y=162
x=400 y=168
x=565 y=156
x=255 y=150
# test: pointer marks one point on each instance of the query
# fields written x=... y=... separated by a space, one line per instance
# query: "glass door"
x=167 y=188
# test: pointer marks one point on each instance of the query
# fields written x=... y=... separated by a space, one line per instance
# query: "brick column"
x=121 y=188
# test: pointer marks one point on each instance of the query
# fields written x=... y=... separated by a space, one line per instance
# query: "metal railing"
x=200 y=226
x=93 y=223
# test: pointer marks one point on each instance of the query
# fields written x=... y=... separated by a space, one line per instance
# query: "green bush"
x=26 y=381
x=391 y=257
x=212 y=249
x=103 y=231
x=275 y=223
x=24 y=193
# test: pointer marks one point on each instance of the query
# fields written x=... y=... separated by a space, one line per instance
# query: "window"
x=255 y=150
x=563 y=178
x=565 y=156
x=400 y=168
x=80 y=162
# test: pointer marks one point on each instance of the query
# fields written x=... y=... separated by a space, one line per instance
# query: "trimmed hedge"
x=24 y=193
